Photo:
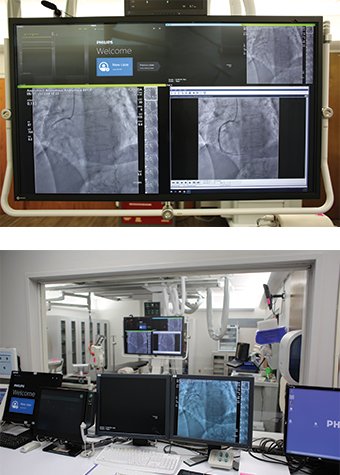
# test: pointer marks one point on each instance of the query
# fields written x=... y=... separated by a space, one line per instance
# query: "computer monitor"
x=8 y=362
x=157 y=336
x=135 y=406
x=60 y=414
x=213 y=410
x=312 y=425
x=24 y=393
x=166 y=108
x=3 y=394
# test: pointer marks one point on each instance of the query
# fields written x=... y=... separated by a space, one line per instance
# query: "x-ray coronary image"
x=139 y=343
x=85 y=140
x=208 y=410
x=274 y=55
x=238 y=138
x=166 y=342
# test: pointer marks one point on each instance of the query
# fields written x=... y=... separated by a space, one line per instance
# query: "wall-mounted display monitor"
x=213 y=410
x=135 y=406
x=166 y=109
x=24 y=393
x=158 y=336
x=312 y=425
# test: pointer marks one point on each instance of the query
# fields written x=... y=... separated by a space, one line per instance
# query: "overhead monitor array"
x=166 y=109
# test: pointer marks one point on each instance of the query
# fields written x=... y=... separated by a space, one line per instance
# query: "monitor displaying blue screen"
x=214 y=410
x=312 y=422
x=22 y=405
x=166 y=109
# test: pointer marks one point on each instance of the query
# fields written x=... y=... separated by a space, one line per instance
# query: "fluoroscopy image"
x=207 y=410
x=85 y=140
x=166 y=342
x=274 y=55
x=139 y=343
x=238 y=138
x=151 y=139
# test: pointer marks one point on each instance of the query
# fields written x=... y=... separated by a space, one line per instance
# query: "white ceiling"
x=246 y=289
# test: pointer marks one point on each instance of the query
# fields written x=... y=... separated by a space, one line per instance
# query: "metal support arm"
x=168 y=211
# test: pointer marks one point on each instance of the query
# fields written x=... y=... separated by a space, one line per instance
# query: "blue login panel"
x=22 y=405
x=114 y=67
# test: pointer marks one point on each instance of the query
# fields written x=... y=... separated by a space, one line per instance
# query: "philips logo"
x=333 y=424
x=104 y=42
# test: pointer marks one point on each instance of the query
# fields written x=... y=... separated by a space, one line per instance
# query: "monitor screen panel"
x=213 y=410
x=60 y=413
x=158 y=336
x=157 y=108
x=24 y=393
x=134 y=406
x=312 y=422
x=3 y=393
x=8 y=362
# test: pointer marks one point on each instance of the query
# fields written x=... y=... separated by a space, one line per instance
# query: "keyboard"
x=11 y=441
x=139 y=459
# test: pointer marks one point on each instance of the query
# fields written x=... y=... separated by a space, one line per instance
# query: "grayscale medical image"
x=274 y=55
x=166 y=342
x=175 y=324
x=208 y=410
x=138 y=343
x=238 y=138
x=151 y=139
x=85 y=140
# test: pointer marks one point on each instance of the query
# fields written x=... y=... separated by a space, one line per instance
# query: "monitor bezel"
x=19 y=418
x=72 y=438
x=314 y=173
x=141 y=377
x=206 y=442
x=300 y=456
x=152 y=354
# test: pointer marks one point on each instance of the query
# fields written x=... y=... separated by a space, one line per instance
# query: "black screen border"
x=52 y=380
x=314 y=164
x=64 y=436
x=160 y=355
x=206 y=442
x=141 y=377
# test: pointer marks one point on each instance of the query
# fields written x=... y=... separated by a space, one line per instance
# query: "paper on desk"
x=251 y=466
x=105 y=470
x=100 y=470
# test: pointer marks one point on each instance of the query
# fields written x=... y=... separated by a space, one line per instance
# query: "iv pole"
x=168 y=212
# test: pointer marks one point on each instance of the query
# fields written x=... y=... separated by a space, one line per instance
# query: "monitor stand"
x=63 y=449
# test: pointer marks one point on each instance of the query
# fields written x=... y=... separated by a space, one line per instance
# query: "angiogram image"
x=274 y=55
x=138 y=343
x=85 y=140
x=238 y=138
x=207 y=410
x=166 y=342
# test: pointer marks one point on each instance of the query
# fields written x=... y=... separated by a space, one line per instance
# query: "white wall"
x=114 y=312
x=201 y=345
x=20 y=304
x=103 y=309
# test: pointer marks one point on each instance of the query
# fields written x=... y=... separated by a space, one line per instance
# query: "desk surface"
x=37 y=462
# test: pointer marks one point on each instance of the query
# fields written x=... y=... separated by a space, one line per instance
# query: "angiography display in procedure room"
x=166 y=108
